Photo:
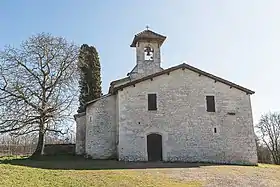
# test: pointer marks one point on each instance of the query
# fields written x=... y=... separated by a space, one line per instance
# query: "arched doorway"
x=154 y=147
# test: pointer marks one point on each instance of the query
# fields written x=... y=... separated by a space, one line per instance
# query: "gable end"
x=183 y=66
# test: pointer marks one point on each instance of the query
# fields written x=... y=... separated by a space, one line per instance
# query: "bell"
x=148 y=50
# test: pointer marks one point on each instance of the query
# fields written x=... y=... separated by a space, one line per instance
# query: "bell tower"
x=148 y=57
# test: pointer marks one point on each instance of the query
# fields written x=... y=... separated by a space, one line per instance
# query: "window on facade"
x=215 y=130
x=152 y=102
x=210 y=102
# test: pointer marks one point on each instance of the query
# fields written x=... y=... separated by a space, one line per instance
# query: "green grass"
x=24 y=176
x=76 y=171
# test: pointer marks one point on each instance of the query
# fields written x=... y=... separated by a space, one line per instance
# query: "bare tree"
x=37 y=86
x=269 y=133
x=263 y=153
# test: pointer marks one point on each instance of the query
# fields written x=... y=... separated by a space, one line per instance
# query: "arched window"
x=149 y=53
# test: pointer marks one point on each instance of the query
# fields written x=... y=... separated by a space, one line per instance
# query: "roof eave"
x=136 y=39
x=94 y=100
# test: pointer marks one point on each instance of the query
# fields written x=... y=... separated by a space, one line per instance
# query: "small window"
x=152 y=102
x=210 y=102
x=215 y=130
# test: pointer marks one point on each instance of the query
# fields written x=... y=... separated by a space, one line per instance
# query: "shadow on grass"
x=80 y=163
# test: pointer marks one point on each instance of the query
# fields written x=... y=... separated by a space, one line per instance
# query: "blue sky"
x=236 y=40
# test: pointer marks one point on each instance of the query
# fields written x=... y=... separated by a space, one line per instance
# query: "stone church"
x=177 y=114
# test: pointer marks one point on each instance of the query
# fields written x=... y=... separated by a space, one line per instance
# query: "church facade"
x=177 y=114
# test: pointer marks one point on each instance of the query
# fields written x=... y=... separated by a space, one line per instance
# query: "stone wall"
x=186 y=127
x=101 y=128
x=59 y=149
x=80 y=133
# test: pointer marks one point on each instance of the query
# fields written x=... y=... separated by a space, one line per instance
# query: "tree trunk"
x=40 y=145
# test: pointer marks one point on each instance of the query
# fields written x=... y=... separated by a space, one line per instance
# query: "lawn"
x=75 y=171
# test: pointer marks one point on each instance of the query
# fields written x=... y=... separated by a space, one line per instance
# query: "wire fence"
x=16 y=149
x=26 y=145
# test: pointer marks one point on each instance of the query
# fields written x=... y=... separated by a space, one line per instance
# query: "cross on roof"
x=147 y=27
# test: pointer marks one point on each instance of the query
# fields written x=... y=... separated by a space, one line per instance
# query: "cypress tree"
x=90 y=78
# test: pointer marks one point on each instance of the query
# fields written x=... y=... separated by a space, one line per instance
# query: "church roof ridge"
x=147 y=34
x=183 y=66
